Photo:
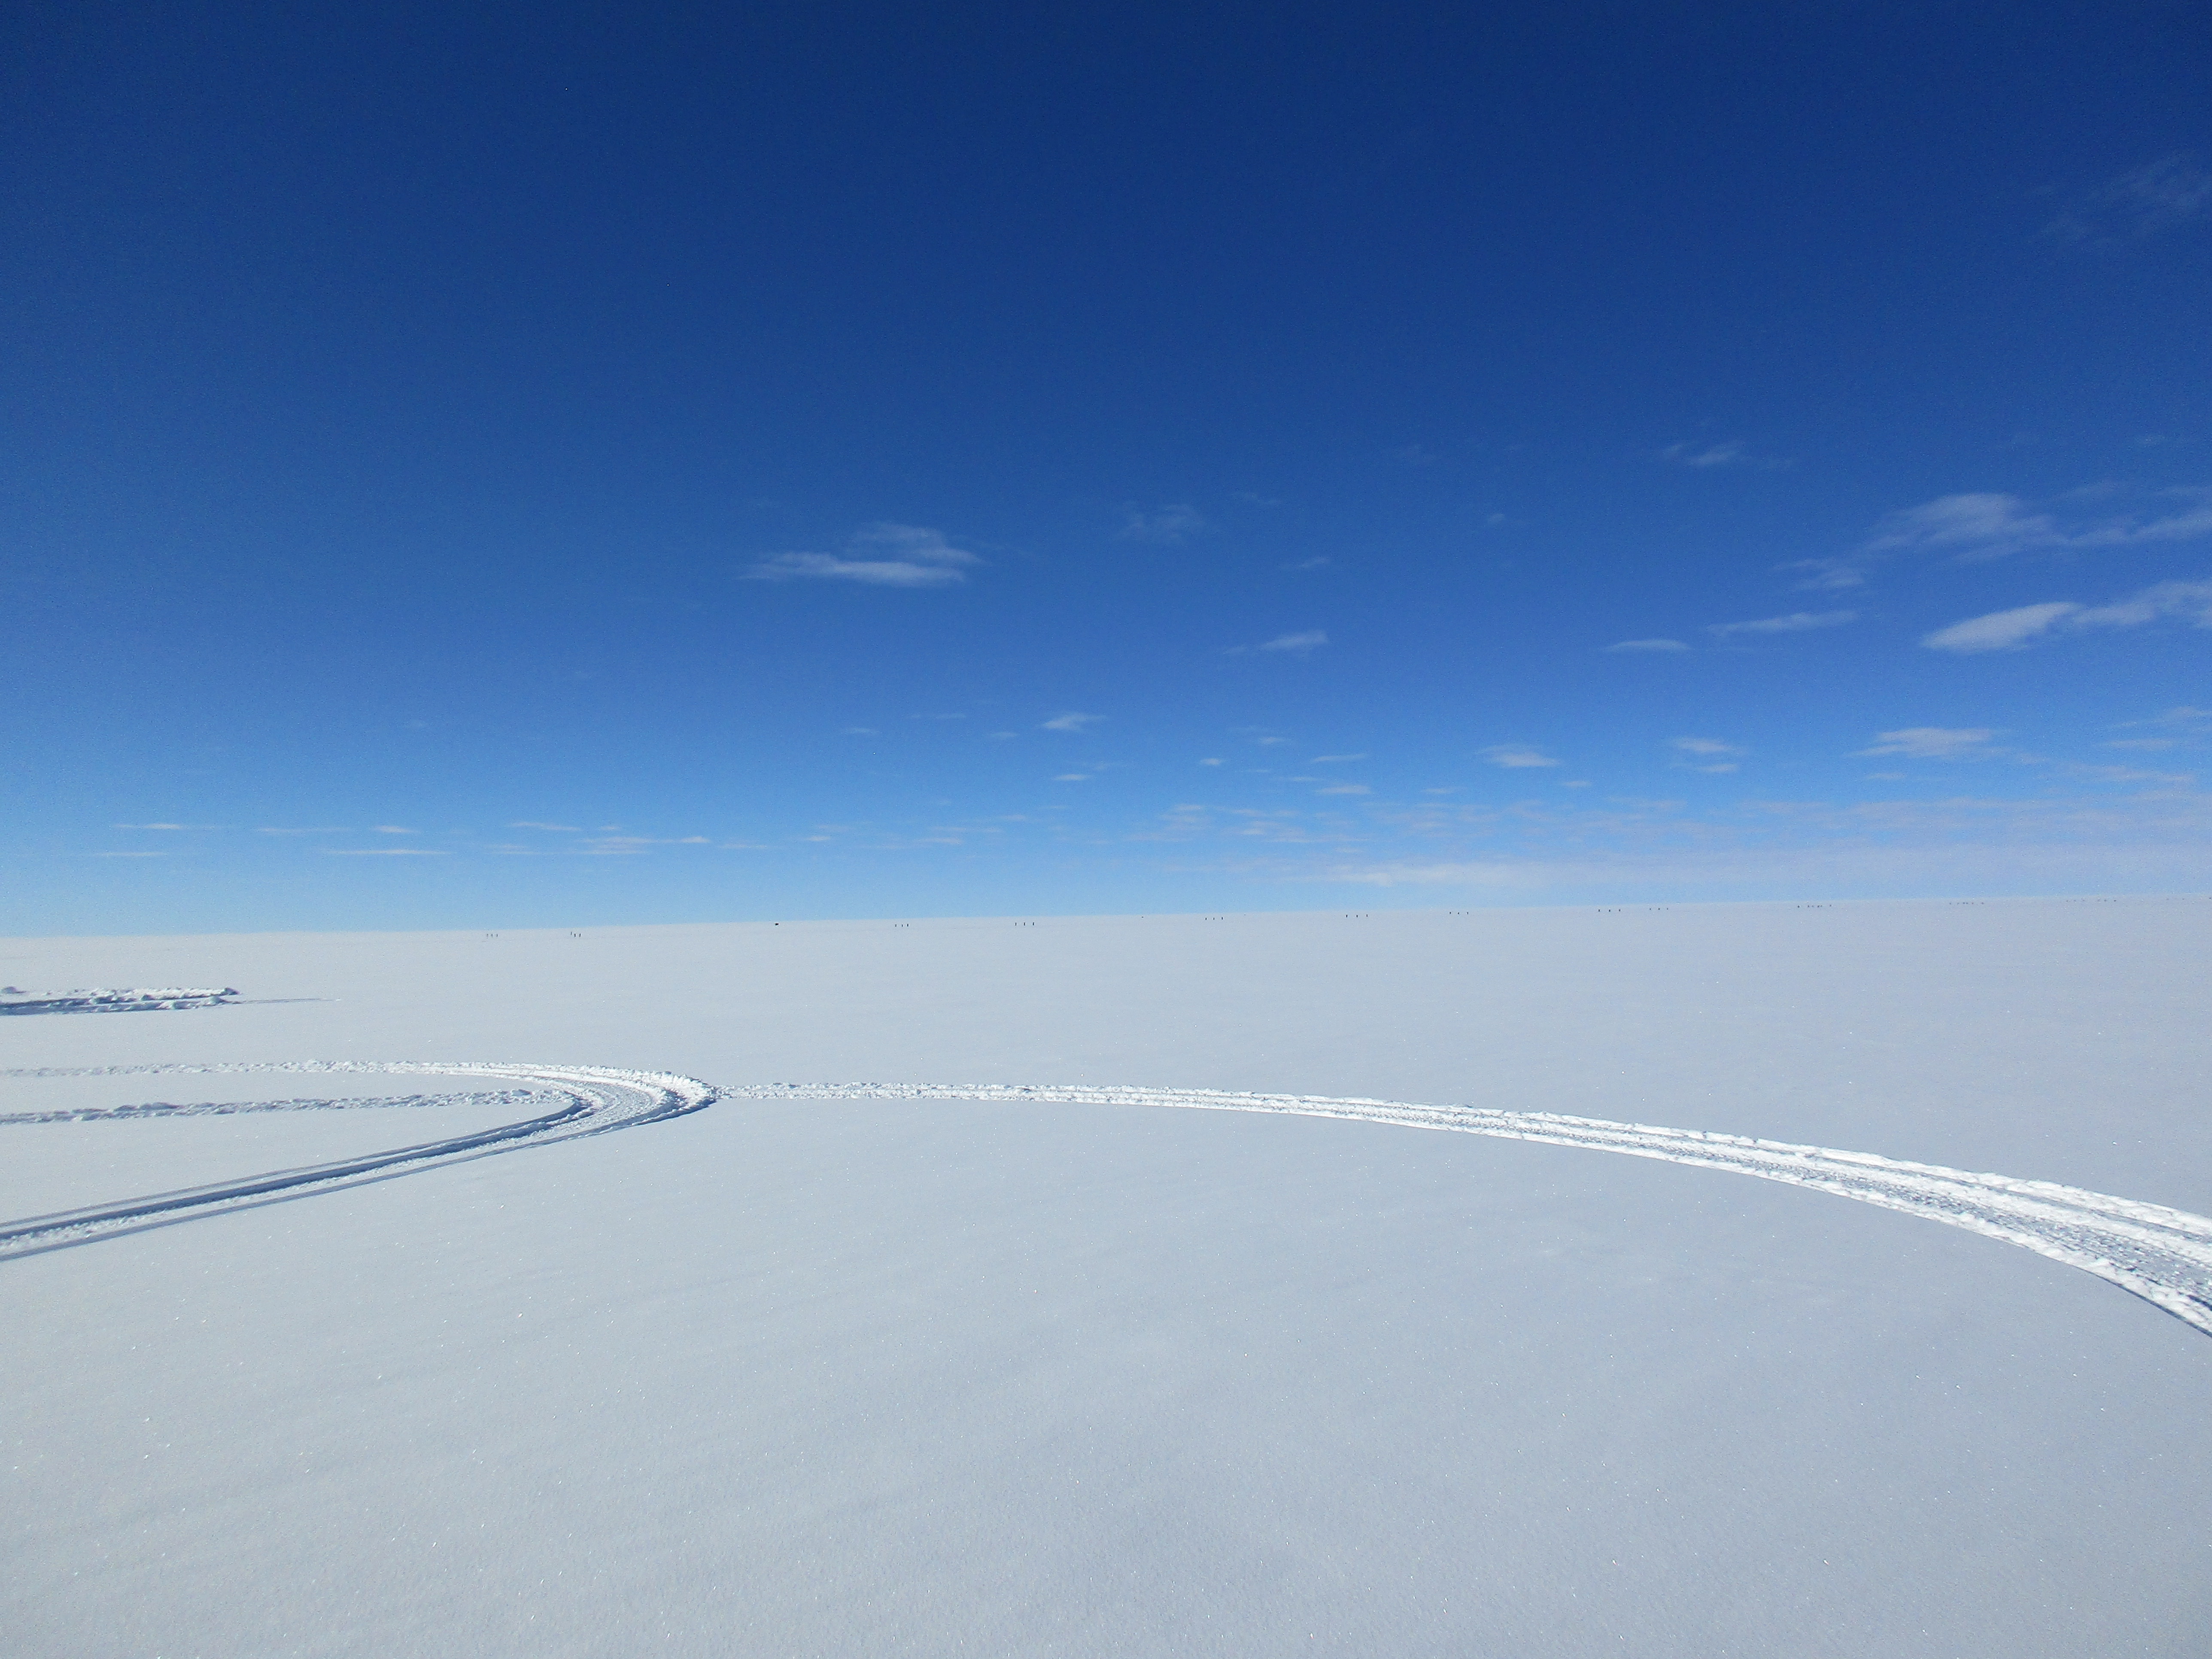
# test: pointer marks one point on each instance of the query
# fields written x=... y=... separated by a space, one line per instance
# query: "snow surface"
x=980 y=1375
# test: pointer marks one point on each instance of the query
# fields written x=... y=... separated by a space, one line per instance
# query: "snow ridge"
x=2163 y=1255
x=587 y=1100
x=13 y=1000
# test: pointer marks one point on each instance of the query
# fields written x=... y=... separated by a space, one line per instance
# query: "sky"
x=583 y=464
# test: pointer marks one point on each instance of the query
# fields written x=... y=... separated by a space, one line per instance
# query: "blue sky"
x=565 y=464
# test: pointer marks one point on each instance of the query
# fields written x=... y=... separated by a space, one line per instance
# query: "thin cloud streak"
x=2030 y=625
x=1932 y=742
x=890 y=556
x=1797 y=622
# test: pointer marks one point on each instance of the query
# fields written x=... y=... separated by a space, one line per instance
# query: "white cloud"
x=1517 y=757
x=1797 y=622
x=2001 y=630
x=1648 y=644
x=1828 y=575
x=890 y=556
x=160 y=826
x=2027 y=624
x=1976 y=524
x=393 y=829
x=1211 y=760
x=2165 y=195
x=1168 y=524
x=1932 y=742
x=2191 y=599
x=384 y=852
x=1315 y=563
x=1732 y=453
x=1347 y=789
x=1330 y=760
x=1989 y=527
x=1710 y=754
x=1071 y=777
x=1297 y=644
x=1071 y=722
x=532 y=823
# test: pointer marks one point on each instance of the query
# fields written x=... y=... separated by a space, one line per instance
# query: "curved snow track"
x=580 y=1100
x=2163 y=1255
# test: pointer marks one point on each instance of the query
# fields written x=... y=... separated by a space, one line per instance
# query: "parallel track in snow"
x=586 y=1100
x=2162 y=1255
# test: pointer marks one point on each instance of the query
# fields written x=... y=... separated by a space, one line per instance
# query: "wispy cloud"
x=1828 y=575
x=1985 y=525
x=1933 y=743
x=2029 y=624
x=1297 y=645
x=2001 y=630
x=1316 y=562
x=624 y=846
x=1517 y=756
x=879 y=555
x=1166 y=524
x=391 y=829
x=1979 y=525
x=165 y=826
x=1732 y=453
x=319 y=830
x=1330 y=760
x=1797 y=622
x=2164 y=195
x=1976 y=525
x=1648 y=644
x=385 y=851
x=532 y=823
x=1708 y=754
x=1071 y=722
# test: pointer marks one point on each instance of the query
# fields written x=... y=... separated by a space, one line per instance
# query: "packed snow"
x=13 y=999
x=437 y=1361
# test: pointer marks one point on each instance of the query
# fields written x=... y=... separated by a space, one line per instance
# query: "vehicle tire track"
x=592 y=1100
x=2163 y=1255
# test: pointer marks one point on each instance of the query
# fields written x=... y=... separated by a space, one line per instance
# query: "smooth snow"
x=982 y=1373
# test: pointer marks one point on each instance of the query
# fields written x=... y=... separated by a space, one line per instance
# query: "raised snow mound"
x=15 y=1000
